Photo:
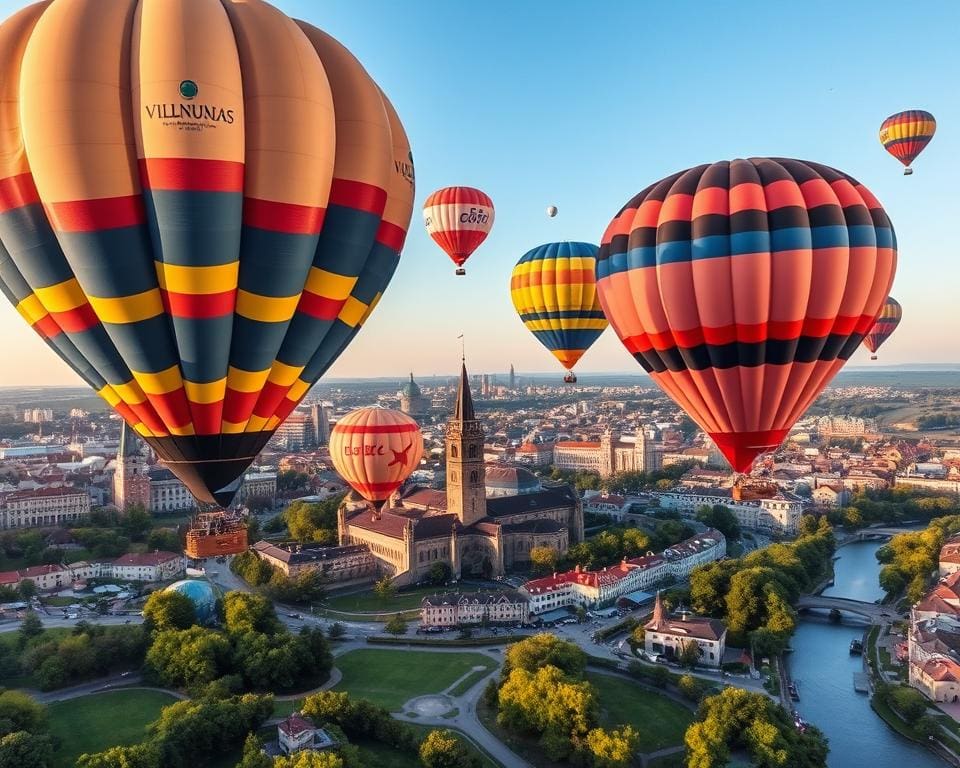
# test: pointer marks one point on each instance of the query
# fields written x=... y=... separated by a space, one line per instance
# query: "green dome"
x=410 y=389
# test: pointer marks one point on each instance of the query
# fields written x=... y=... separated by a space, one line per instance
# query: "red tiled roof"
x=577 y=444
x=942 y=669
x=9 y=577
x=39 y=570
x=296 y=725
x=145 y=558
x=41 y=492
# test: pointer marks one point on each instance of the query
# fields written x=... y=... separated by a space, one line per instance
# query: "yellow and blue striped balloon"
x=554 y=291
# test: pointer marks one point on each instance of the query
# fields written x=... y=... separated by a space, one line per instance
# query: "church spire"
x=128 y=442
x=463 y=408
x=659 y=614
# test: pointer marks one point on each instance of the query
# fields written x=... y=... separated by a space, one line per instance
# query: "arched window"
x=473 y=451
x=474 y=476
x=421 y=557
x=454 y=452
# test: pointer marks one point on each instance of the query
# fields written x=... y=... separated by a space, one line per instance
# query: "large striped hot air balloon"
x=200 y=201
x=742 y=287
x=886 y=324
x=906 y=134
x=459 y=220
x=375 y=450
x=554 y=291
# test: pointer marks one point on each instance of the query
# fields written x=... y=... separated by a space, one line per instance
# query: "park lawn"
x=468 y=682
x=95 y=723
x=391 y=677
x=660 y=721
x=368 y=602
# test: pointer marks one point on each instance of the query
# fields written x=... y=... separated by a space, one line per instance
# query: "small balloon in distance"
x=551 y=211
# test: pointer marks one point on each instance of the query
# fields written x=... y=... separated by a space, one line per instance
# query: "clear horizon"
x=496 y=107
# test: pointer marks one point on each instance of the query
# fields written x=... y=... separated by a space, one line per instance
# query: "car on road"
x=294 y=615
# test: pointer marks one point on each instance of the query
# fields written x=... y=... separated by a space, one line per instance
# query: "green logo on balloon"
x=188 y=89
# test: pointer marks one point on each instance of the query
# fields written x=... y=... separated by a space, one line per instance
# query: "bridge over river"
x=870 y=611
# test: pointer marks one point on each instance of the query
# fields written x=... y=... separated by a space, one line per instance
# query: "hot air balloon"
x=553 y=288
x=375 y=450
x=886 y=324
x=459 y=220
x=742 y=287
x=196 y=229
x=551 y=211
x=906 y=134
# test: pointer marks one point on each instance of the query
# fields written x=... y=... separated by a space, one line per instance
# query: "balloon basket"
x=908 y=171
x=570 y=379
x=460 y=271
x=873 y=357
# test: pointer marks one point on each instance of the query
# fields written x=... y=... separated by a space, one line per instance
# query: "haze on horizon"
x=637 y=93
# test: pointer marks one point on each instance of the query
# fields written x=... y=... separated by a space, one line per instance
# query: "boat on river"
x=794 y=691
x=856 y=647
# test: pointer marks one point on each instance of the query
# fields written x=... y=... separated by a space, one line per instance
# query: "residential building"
x=668 y=636
x=601 y=588
x=944 y=485
x=779 y=514
x=296 y=432
x=841 y=426
x=346 y=563
x=612 y=505
x=832 y=495
x=535 y=454
x=320 y=414
x=146 y=566
x=297 y=733
x=45 y=507
x=453 y=609
x=610 y=454
x=949 y=560
x=168 y=493
x=37 y=415
x=258 y=484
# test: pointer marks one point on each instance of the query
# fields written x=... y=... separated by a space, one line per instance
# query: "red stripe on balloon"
x=270 y=397
x=199 y=305
x=237 y=405
x=77 y=320
x=206 y=417
x=288 y=218
x=356 y=194
x=95 y=215
x=191 y=174
x=375 y=429
x=18 y=191
x=320 y=307
x=171 y=407
x=391 y=236
x=47 y=327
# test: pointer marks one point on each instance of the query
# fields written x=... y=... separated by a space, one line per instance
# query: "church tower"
x=466 y=489
x=131 y=483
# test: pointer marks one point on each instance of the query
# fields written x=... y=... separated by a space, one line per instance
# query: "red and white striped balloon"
x=459 y=220
x=375 y=450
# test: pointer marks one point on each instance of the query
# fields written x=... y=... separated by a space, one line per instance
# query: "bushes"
x=910 y=558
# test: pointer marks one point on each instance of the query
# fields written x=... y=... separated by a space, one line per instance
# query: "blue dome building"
x=202 y=596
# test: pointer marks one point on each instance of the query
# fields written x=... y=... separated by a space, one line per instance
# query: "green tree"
x=164 y=539
x=807 y=525
x=336 y=631
x=188 y=658
x=309 y=759
x=439 y=574
x=720 y=517
x=692 y=688
x=384 y=589
x=314 y=521
x=543 y=560
x=545 y=649
x=253 y=756
x=168 y=609
x=136 y=522
x=20 y=712
x=26 y=750
x=396 y=626
x=442 y=749
x=639 y=634
x=30 y=627
x=660 y=676
x=909 y=702
x=611 y=749
x=27 y=589
x=246 y=612
x=689 y=654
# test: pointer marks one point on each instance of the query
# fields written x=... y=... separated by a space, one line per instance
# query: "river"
x=822 y=663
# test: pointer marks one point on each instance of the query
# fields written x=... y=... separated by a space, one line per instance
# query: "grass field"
x=468 y=682
x=660 y=722
x=390 y=677
x=423 y=730
x=368 y=602
x=94 y=723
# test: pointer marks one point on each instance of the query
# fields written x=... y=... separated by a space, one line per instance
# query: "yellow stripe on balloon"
x=161 y=382
x=130 y=393
x=282 y=374
x=329 y=284
x=298 y=390
x=583 y=324
x=352 y=312
x=205 y=392
x=266 y=309
x=31 y=309
x=128 y=309
x=232 y=427
x=246 y=381
x=178 y=278
x=62 y=297
x=256 y=423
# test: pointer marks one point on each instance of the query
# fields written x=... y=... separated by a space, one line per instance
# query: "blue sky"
x=581 y=105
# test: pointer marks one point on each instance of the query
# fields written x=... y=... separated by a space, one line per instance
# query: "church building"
x=475 y=535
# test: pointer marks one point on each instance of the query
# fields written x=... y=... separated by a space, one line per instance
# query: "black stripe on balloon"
x=805 y=349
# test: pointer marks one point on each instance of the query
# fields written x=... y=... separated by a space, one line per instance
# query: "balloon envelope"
x=459 y=220
x=553 y=288
x=375 y=450
x=906 y=134
x=742 y=287
x=886 y=324
x=196 y=229
x=551 y=211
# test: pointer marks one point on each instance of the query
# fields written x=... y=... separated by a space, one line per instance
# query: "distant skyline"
x=582 y=105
